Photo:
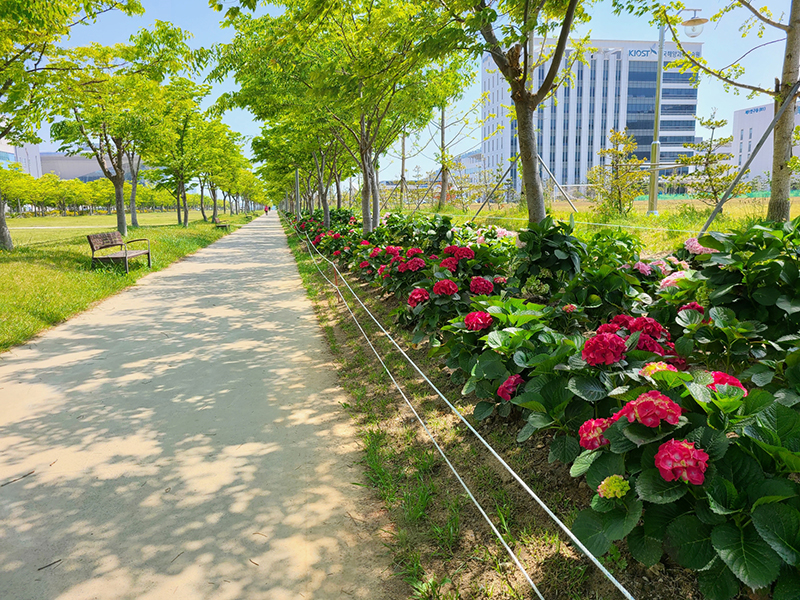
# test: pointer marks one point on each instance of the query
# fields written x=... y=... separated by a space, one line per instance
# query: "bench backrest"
x=216 y=220
x=98 y=241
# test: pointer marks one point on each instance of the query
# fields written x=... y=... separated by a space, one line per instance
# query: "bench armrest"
x=140 y=240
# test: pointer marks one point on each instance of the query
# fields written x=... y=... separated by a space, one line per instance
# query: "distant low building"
x=749 y=124
x=75 y=167
x=471 y=164
x=27 y=156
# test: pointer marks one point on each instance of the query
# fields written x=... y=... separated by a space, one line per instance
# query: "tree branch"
x=761 y=17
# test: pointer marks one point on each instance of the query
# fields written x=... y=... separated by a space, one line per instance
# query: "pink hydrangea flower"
x=481 y=285
x=643 y=268
x=415 y=264
x=672 y=280
x=500 y=280
x=418 y=296
x=475 y=321
x=662 y=266
x=655 y=367
x=451 y=264
x=363 y=264
x=363 y=243
x=509 y=387
x=464 y=253
x=693 y=306
x=591 y=433
x=693 y=246
x=445 y=287
x=569 y=308
x=650 y=409
x=680 y=460
x=603 y=349
x=721 y=378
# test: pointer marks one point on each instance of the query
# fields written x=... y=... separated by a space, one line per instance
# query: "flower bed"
x=670 y=386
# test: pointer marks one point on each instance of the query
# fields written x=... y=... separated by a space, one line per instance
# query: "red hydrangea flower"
x=445 y=287
x=364 y=243
x=394 y=258
x=623 y=321
x=450 y=249
x=649 y=344
x=363 y=264
x=418 y=296
x=337 y=252
x=451 y=264
x=412 y=252
x=481 y=285
x=509 y=387
x=475 y=321
x=681 y=460
x=591 y=433
x=336 y=236
x=433 y=257
x=721 y=378
x=693 y=306
x=402 y=267
x=500 y=280
x=346 y=248
x=608 y=328
x=646 y=325
x=650 y=409
x=381 y=269
x=317 y=239
x=415 y=264
x=569 y=308
x=393 y=250
x=375 y=252
x=603 y=349
x=462 y=253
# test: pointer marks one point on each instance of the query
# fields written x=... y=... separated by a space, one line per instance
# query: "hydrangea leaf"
x=583 y=462
x=651 y=487
x=483 y=410
x=779 y=526
x=588 y=528
x=788 y=585
x=589 y=388
x=688 y=542
x=620 y=522
x=747 y=555
x=564 y=448
x=645 y=549
x=717 y=582
x=712 y=442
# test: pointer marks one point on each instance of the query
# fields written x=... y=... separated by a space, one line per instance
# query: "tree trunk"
x=178 y=204
x=445 y=172
x=119 y=197
x=5 y=234
x=213 y=191
x=779 y=203
x=202 y=199
x=376 y=197
x=185 y=206
x=134 y=183
x=365 y=194
x=534 y=193
x=403 y=172
x=224 y=197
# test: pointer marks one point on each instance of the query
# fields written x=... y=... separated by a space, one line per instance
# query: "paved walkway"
x=184 y=439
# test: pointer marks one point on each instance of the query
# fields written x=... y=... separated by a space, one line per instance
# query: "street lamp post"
x=693 y=28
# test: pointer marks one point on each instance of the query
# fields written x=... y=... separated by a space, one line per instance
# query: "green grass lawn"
x=48 y=277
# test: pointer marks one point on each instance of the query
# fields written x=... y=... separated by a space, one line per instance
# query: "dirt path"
x=184 y=439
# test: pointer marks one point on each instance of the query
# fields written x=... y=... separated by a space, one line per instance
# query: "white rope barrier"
x=486 y=444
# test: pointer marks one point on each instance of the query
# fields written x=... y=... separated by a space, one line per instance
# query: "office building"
x=26 y=155
x=615 y=89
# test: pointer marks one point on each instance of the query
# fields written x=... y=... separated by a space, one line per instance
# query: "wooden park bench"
x=100 y=241
x=220 y=225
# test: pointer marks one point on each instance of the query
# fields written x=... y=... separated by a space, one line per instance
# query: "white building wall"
x=27 y=156
x=749 y=124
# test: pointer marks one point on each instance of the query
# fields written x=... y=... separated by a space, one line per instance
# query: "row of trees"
x=337 y=83
x=126 y=106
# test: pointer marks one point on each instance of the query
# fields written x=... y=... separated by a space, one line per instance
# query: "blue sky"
x=722 y=45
